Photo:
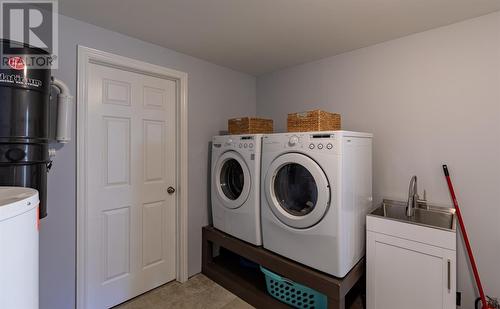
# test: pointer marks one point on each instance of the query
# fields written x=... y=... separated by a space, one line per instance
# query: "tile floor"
x=198 y=292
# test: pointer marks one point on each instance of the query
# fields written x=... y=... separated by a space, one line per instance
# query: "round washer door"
x=297 y=190
x=232 y=179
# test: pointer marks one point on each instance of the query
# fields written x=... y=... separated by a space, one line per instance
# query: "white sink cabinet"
x=409 y=266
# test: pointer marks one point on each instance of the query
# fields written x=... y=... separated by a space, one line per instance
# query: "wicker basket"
x=250 y=125
x=316 y=120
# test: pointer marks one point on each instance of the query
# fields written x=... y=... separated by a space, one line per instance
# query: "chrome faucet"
x=412 y=197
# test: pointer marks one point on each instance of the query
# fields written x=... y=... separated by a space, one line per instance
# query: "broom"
x=466 y=239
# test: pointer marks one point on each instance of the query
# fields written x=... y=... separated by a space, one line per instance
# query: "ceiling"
x=260 y=36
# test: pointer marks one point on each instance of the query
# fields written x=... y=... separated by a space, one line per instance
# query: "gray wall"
x=215 y=93
x=429 y=98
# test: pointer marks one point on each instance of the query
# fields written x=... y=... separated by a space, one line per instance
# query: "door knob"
x=170 y=190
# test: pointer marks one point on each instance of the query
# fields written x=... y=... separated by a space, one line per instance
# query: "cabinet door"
x=406 y=274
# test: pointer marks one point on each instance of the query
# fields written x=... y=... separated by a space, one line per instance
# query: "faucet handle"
x=423 y=201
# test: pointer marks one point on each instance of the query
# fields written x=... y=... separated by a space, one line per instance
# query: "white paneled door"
x=131 y=212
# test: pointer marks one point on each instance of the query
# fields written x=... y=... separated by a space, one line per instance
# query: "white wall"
x=215 y=93
x=429 y=98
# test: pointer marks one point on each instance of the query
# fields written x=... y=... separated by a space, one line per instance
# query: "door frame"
x=86 y=57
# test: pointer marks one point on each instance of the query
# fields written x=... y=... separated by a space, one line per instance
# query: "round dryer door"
x=232 y=177
x=297 y=190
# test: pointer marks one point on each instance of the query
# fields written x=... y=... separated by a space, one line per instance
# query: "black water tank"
x=24 y=121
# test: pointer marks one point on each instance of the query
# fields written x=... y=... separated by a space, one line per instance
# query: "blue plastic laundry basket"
x=292 y=293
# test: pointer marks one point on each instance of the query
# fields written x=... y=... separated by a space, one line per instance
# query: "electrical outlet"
x=459 y=299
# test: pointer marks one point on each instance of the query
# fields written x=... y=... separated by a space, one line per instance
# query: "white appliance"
x=316 y=192
x=18 y=248
x=235 y=186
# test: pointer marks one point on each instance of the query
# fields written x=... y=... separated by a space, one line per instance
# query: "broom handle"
x=466 y=238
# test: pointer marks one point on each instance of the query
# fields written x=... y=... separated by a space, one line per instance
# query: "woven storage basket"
x=250 y=125
x=316 y=120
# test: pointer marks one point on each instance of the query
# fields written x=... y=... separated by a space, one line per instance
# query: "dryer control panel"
x=319 y=142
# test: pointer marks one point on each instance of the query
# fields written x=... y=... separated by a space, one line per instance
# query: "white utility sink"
x=411 y=261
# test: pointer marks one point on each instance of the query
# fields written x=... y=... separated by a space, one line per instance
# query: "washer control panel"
x=245 y=145
x=243 y=142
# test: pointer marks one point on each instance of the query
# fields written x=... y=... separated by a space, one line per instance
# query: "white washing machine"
x=236 y=186
x=316 y=192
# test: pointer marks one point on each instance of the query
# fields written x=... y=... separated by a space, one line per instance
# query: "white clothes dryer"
x=316 y=192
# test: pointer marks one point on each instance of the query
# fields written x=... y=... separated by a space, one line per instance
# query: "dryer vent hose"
x=64 y=111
